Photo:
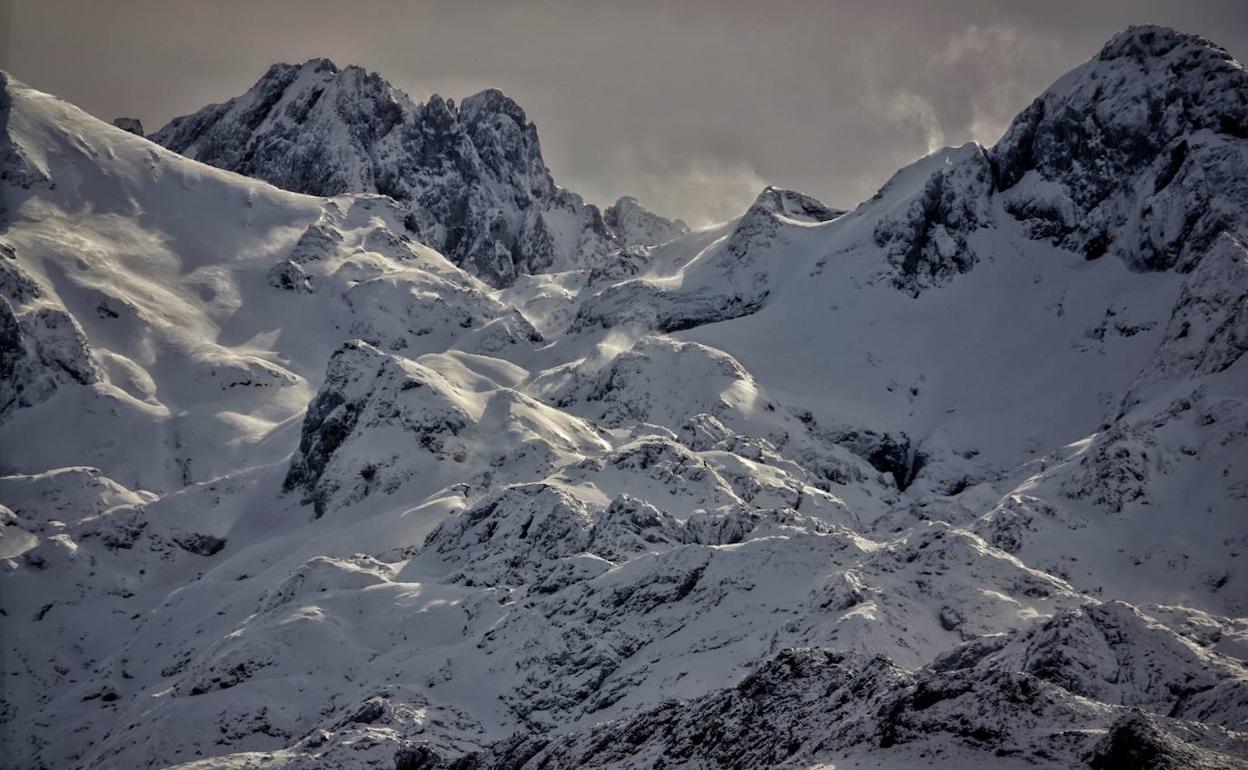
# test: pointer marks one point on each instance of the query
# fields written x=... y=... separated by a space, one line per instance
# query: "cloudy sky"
x=690 y=106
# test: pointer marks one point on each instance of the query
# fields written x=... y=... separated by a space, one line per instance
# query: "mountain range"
x=334 y=433
x=470 y=177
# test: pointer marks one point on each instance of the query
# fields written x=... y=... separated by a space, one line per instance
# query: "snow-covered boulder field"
x=333 y=433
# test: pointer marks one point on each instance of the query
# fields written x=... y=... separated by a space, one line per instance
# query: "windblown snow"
x=416 y=460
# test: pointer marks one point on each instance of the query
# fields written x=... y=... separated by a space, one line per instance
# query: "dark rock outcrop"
x=925 y=242
x=807 y=705
x=41 y=350
x=367 y=389
x=132 y=125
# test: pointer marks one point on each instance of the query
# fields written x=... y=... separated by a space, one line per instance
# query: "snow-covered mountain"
x=958 y=478
x=470 y=176
x=635 y=226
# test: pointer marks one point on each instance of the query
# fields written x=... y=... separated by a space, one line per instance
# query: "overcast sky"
x=692 y=107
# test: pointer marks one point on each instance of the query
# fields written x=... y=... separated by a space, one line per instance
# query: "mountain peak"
x=286 y=72
x=635 y=225
x=794 y=205
x=1135 y=139
x=320 y=64
x=491 y=100
x=1150 y=40
x=472 y=177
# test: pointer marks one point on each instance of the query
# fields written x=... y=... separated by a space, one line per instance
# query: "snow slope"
x=282 y=486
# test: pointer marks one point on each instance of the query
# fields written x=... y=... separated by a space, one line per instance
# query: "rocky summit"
x=470 y=176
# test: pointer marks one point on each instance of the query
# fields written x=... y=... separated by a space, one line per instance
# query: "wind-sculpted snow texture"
x=285 y=483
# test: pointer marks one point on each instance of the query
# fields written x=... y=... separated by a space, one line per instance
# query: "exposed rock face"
x=203 y=545
x=762 y=225
x=805 y=706
x=471 y=175
x=133 y=125
x=365 y=388
x=1113 y=653
x=626 y=263
x=630 y=527
x=16 y=165
x=630 y=388
x=642 y=305
x=1140 y=152
x=925 y=242
x=1137 y=741
x=41 y=350
x=795 y=205
x=634 y=225
x=512 y=538
x=1208 y=328
x=381 y=421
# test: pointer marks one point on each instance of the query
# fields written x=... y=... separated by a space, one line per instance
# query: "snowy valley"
x=334 y=433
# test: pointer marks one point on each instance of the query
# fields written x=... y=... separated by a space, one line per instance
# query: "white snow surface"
x=280 y=486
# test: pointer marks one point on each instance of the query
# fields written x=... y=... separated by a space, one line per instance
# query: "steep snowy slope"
x=471 y=177
x=966 y=331
x=199 y=306
x=919 y=483
x=729 y=278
